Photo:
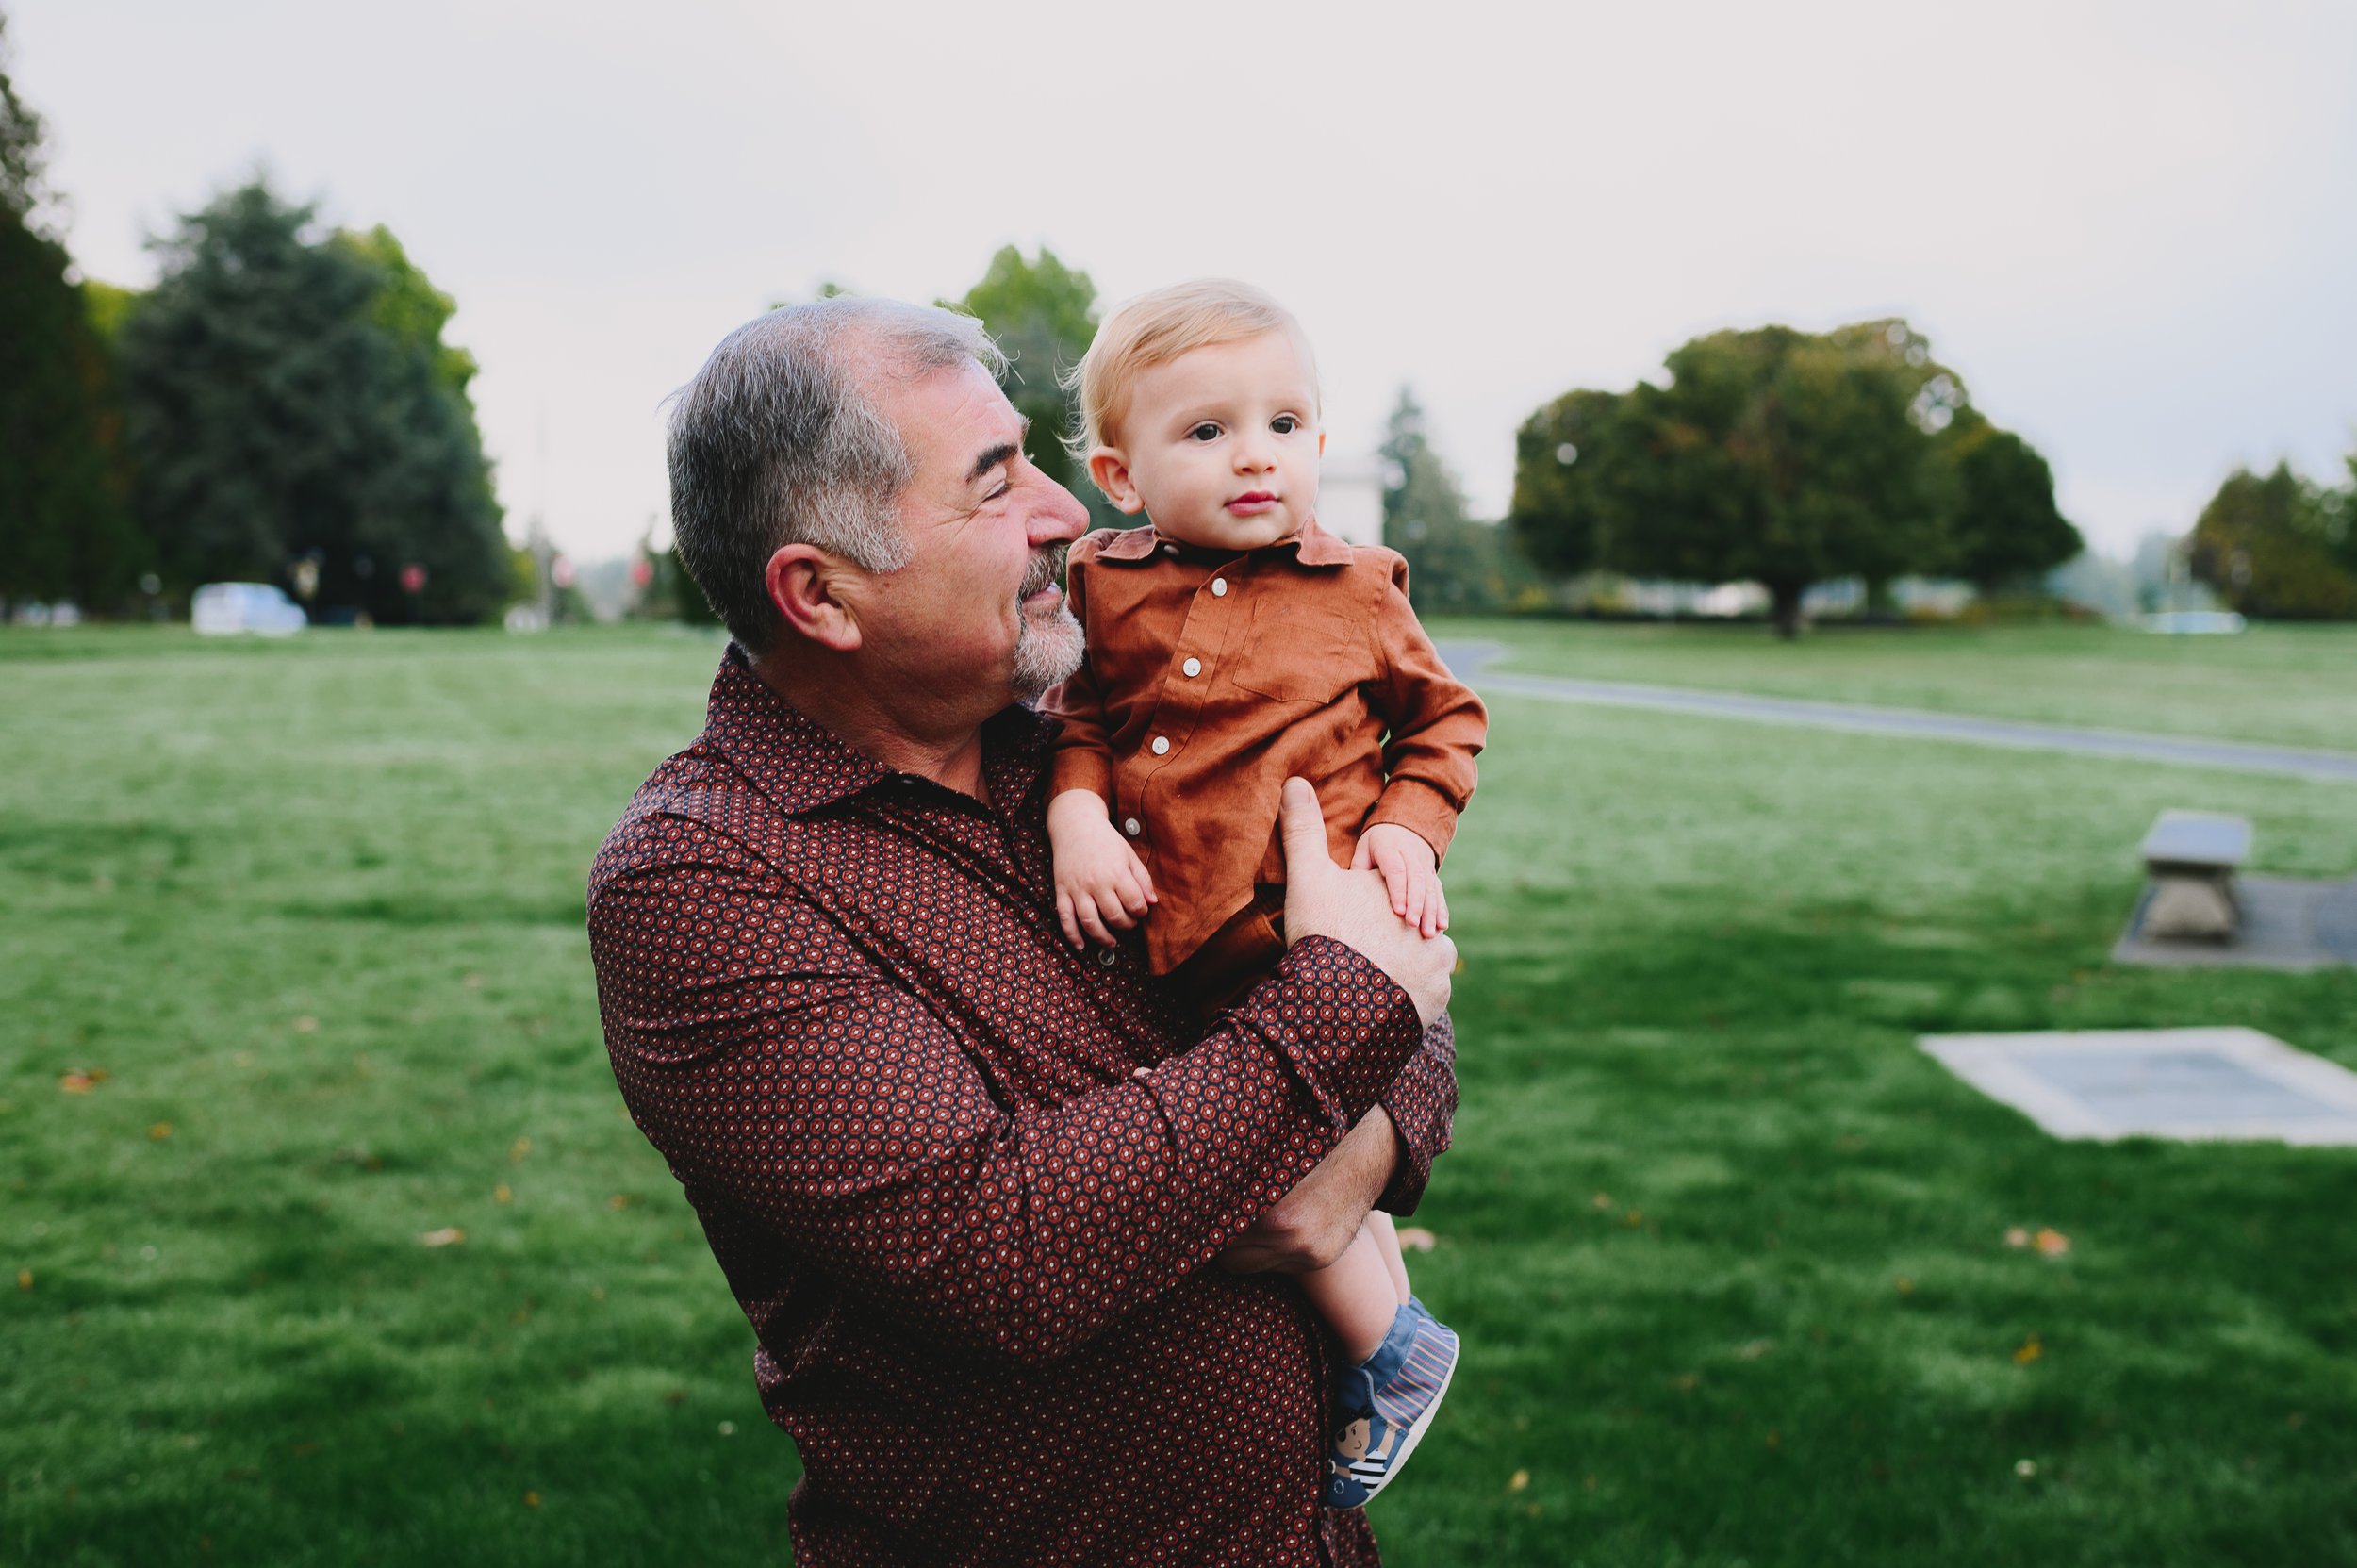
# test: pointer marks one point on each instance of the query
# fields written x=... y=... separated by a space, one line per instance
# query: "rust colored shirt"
x=975 y=1251
x=1213 y=677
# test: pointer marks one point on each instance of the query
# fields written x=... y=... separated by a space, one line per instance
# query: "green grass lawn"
x=2294 y=686
x=1727 y=1251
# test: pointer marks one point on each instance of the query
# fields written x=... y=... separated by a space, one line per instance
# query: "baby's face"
x=1220 y=446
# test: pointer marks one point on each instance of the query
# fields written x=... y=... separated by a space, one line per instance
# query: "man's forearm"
x=1310 y=1226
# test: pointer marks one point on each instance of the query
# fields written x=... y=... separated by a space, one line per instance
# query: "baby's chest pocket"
x=1295 y=654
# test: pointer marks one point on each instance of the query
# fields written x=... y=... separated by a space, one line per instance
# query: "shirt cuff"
x=1081 y=768
x=1422 y=1103
x=1338 y=1020
x=1419 y=808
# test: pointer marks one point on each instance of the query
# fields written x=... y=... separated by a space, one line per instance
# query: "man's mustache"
x=1045 y=568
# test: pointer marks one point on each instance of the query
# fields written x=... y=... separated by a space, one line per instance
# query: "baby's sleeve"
x=1435 y=725
x=1083 y=757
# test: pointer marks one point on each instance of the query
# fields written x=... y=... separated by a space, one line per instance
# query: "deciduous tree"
x=2264 y=543
x=2003 y=529
x=1044 y=315
x=1779 y=457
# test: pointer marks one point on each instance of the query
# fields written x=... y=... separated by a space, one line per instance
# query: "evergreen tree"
x=1456 y=564
x=291 y=400
x=66 y=531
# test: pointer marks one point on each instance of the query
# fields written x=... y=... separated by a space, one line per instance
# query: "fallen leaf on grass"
x=532 y=1499
x=471 y=981
x=449 y=1235
x=2030 y=1351
x=1520 y=1479
x=23 y=1279
x=1415 y=1238
x=2052 y=1243
x=620 y=1201
x=82 y=1082
x=1601 y=1203
x=502 y=1193
x=306 y=1024
x=516 y=1150
x=2016 y=1236
x=2025 y=1468
x=161 y=1132
x=1756 y=1349
x=1907 y=1286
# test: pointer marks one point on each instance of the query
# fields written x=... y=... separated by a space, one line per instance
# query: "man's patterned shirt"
x=976 y=1251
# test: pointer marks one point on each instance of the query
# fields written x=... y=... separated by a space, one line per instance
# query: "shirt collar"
x=802 y=766
x=1315 y=546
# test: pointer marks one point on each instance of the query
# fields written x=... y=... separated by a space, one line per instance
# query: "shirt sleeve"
x=1422 y=1102
x=1435 y=724
x=1083 y=758
x=783 y=1076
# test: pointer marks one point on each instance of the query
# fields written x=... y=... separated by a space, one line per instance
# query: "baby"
x=1234 y=643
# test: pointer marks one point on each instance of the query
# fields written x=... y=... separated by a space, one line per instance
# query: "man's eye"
x=1205 y=431
x=1284 y=424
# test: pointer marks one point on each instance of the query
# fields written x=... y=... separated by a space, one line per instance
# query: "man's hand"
x=1411 y=874
x=1355 y=908
x=1310 y=1226
x=1101 y=884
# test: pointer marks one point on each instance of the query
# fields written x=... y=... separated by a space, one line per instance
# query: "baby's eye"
x=1204 y=432
x=1284 y=424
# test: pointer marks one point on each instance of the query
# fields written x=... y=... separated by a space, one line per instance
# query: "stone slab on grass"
x=2287 y=923
x=2182 y=1083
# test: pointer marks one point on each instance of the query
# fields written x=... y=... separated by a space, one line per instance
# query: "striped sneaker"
x=1383 y=1404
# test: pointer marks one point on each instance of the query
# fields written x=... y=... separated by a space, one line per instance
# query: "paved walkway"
x=1470 y=660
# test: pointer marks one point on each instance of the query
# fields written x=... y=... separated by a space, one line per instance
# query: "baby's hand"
x=1101 y=884
x=1411 y=871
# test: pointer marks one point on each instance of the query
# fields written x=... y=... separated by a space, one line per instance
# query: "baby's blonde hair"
x=1156 y=328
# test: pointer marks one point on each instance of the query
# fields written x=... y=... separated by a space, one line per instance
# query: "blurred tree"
x=66 y=529
x=2264 y=544
x=2004 y=531
x=1044 y=315
x=1779 y=457
x=291 y=402
x=1455 y=565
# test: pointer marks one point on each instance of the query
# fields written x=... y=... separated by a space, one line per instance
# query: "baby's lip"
x=1253 y=498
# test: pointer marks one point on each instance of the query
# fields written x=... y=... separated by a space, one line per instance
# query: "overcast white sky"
x=2133 y=227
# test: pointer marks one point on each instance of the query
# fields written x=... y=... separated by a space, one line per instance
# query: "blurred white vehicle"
x=228 y=609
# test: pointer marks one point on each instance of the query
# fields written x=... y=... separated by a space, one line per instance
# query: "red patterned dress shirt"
x=977 y=1254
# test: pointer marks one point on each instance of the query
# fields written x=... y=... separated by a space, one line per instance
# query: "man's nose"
x=1058 y=516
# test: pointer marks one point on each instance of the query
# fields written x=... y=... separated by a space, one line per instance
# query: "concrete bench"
x=2192 y=857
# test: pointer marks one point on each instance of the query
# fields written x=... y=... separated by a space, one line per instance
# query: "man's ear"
x=802 y=582
x=1110 y=472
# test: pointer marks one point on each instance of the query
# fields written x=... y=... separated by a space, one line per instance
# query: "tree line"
x=280 y=408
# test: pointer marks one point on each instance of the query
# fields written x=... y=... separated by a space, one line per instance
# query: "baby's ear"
x=1110 y=472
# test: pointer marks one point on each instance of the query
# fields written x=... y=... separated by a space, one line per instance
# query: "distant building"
x=1350 y=498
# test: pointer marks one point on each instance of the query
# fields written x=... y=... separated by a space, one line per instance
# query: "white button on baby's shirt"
x=1162 y=746
x=1219 y=588
x=1192 y=666
x=1105 y=958
x=1132 y=826
x=1170 y=550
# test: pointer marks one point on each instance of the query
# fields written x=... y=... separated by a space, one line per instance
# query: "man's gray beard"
x=1045 y=654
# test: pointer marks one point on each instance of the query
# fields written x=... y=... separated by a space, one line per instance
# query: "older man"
x=975 y=1242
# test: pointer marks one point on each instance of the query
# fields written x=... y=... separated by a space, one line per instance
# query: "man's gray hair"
x=776 y=441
